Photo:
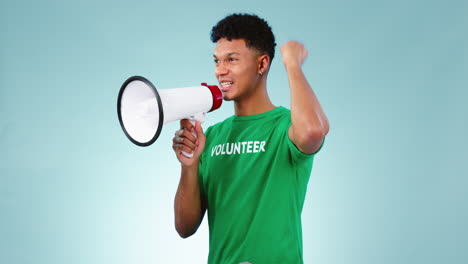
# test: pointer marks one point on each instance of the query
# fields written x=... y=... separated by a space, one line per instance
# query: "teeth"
x=226 y=84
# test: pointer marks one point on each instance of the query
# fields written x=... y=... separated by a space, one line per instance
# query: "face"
x=236 y=68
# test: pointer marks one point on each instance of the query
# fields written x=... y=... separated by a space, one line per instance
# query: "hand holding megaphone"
x=189 y=141
x=193 y=119
x=143 y=110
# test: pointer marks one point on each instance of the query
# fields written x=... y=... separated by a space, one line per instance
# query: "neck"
x=256 y=103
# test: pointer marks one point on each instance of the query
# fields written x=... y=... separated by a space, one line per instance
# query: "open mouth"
x=225 y=86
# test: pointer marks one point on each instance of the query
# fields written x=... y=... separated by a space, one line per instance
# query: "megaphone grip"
x=189 y=155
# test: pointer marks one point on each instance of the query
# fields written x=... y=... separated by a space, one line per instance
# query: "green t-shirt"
x=254 y=180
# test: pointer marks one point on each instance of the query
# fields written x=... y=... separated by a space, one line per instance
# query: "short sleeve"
x=296 y=154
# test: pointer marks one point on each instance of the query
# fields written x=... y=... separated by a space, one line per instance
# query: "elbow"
x=314 y=133
x=314 y=130
x=312 y=136
x=187 y=221
x=183 y=232
x=183 y=229
x=310 y=140
x=325 y=128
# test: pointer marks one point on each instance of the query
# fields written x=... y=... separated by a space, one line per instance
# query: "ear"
x=263 y=63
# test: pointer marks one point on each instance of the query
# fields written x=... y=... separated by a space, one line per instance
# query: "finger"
x=198 y=127
x=188 y=134
x=199 y=130
x=184 y=141
x=185 y=123
x=200 y=135
x=179 y=132
x=181 y=148
x=184 y=159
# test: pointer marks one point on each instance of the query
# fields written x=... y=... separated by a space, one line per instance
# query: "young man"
x=250 y=171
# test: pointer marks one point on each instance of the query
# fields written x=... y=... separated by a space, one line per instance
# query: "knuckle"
x=187 y=134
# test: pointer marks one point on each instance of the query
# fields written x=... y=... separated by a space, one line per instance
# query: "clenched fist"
x=294 y=53
x=190 y=139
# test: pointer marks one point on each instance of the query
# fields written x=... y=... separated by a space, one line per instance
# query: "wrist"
x=292 y=66
x=193 y=165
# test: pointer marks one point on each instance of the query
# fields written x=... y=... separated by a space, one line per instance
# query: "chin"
x=227 y=97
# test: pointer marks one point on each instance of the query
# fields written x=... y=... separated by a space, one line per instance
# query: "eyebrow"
x=229 y=54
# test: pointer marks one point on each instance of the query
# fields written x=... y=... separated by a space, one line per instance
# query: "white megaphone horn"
x=143 y=110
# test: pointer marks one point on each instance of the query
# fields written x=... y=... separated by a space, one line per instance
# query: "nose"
x=220 y=69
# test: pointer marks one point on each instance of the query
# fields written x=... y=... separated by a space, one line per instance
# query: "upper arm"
x=308 y=142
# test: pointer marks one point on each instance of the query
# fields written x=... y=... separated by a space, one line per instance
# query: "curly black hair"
x=255 y=30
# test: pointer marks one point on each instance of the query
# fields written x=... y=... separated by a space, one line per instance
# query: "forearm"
x=307 y=115
x=188 y=207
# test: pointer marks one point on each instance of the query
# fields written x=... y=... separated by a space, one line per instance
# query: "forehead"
x=225 y=47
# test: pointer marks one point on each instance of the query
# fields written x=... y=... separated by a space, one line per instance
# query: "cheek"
x=246 y=72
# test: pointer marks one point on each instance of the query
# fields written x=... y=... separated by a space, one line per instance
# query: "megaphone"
x=143 y=110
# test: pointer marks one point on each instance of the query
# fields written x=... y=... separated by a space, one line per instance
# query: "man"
x=250 y=171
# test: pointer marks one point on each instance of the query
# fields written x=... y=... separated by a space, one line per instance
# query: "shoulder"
x=284 y=112
x=283 y=116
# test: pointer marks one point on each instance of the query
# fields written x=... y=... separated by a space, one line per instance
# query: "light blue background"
x=389 y=186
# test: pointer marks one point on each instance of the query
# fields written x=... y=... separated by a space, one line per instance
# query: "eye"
x=232 y=59
x=216 y=61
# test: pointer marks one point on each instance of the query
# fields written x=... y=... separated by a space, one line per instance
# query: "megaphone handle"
x=188 y=155
x=193 y=119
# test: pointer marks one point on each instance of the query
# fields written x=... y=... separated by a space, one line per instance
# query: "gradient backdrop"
x=389 y=186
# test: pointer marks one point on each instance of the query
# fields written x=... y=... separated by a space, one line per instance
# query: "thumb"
x=199 y=130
